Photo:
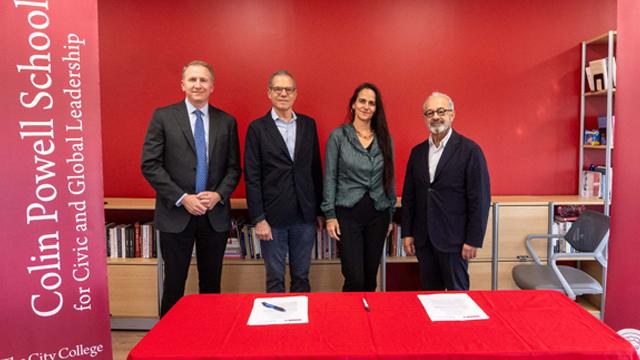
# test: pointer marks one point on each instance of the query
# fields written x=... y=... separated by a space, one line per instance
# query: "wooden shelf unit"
x=602 y=46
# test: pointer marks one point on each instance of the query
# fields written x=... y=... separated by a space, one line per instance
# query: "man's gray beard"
x=438 y=128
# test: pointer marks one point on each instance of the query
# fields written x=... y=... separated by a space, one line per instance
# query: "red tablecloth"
x=521 y=324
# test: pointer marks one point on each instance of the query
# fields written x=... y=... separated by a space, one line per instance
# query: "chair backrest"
x=588 y=231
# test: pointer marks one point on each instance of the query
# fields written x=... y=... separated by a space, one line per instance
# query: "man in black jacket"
x=283 y=175
x=445 y=200
x=191 y=157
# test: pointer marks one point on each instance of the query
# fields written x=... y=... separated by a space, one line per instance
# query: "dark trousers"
x=296 y=241
x=176 y=252
x=364 y=231
x=442 y=270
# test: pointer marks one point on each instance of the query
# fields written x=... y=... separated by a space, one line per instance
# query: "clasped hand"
x=199 y=203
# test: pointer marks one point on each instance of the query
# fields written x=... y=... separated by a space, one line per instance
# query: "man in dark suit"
x=283 y=175
x=445 y=200
x=191 y=157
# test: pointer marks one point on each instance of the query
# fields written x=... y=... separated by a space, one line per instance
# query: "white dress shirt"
x=435 y=153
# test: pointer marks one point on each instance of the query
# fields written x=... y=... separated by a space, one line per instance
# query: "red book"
x=136 y=226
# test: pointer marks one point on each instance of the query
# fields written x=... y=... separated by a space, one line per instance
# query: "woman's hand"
x=333 y=228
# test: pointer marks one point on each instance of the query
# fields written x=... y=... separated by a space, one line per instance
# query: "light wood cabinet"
x=515 y=223
x=133 y=287
x=480 y=275
x=133 y=283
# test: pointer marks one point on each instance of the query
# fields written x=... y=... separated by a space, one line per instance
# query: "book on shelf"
x=614 y=72
x=590 y=79
x=140 y=241
x=149 y=237
x=599 y=72
x=394 y=242
x=602 y=126
x=604 y=178
x=560 y=228
x=108 y=235
x=591 y=184
x=233 y=249
x=324 y=247
x=136 y=240
x=131 y=240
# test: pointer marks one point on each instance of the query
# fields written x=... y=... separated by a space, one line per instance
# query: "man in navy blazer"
x=185 y=214
x=445 y=200
x=283 y=175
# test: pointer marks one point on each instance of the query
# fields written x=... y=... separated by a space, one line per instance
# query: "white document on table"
x=451 y=307
x=279 y=310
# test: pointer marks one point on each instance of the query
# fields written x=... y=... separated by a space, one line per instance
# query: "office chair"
x=588 y=236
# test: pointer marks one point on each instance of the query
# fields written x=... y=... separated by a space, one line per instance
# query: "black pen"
x=274 y=307
x=365 y=304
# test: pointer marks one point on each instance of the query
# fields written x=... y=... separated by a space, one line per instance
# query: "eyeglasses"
x=278 y=89
x=440 y=111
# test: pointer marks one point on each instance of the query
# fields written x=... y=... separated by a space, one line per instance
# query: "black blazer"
x=279 y=189
x=169 y=165
x=454 y=208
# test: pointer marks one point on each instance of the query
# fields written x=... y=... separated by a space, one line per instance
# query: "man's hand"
x=333 y=228
x=469 y=252
x=263 y=230
x=409 y=245
x=193 y=205
x=209 y=198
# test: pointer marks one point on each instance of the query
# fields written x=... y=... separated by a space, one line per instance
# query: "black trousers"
x=442 y=270
x=176 y=251
x=364 y=231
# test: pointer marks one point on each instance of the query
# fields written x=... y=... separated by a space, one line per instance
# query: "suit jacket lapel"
x=423 y=163
x=273 y=131
x=449 y=150
x=182 y=118
x=214 y=127
x=300 y=128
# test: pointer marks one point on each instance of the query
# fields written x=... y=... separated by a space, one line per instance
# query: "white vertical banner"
x=53 y=279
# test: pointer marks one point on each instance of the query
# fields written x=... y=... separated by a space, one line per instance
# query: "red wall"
x=623 y=287
x=512 y=67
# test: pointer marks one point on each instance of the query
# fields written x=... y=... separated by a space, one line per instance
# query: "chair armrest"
x=531 y=251
x=565 y=284
x=578 y=256
x=572 y=256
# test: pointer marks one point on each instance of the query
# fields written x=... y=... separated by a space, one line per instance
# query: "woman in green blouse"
x=359 y=188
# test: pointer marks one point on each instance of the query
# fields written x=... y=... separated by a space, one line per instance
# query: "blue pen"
x=274 y=307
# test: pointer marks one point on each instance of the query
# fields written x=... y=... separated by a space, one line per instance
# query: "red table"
x=522 y=324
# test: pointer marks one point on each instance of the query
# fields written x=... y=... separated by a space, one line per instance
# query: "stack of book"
x=324 y=247
x=594 y=181
x=561 y=225
x=131 y=240
x=394 y=242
